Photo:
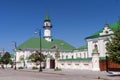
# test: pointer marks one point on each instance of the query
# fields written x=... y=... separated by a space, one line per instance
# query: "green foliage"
x=11 y=63
x=6 y=58
x=98 y=77
x=57 y=54
x=57 y=69
x=37 y=57
x=21 y=58
x=113 y=47
x=20 y=67
x=34 y=68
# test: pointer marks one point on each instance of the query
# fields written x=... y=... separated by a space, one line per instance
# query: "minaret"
x=47 y=28
x=106 y=28
x=106 y=24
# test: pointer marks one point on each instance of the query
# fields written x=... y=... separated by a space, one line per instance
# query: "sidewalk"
x=103 y=75
x=50 y=74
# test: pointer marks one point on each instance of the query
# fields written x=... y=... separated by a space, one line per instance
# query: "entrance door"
x=52 y=64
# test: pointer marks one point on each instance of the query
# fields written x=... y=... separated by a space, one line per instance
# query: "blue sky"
x=72 y=20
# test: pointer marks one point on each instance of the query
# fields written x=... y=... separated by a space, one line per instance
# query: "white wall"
x=76 y=64
x=101 y=43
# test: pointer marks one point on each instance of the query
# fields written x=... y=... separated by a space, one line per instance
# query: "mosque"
x=84 y=58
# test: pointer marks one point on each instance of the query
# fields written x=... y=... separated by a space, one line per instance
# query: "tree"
x=113 y=46
x=6 y=58
x=11 y=63
x=22 y=59
x=57 y=54
x=37 y=56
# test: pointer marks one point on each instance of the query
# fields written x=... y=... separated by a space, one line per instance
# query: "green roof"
x=12 y=55
x=112 y=26
x=75 y=59
x=82 y=47
x=35 y=43
x=102 y=58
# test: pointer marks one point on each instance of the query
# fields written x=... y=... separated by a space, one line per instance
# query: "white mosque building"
x=84 y=58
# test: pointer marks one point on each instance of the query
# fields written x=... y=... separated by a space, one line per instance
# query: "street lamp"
x=39 y=32
x=15 y=53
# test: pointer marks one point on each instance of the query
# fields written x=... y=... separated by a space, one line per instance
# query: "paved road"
x=10 y=74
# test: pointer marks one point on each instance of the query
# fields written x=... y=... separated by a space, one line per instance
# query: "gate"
x=109 y=65
x=113 y=66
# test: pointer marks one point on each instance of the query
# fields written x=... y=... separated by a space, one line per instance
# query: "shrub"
x=34 y=68
x=98 y=77
x=57 y=69
x=20 y=67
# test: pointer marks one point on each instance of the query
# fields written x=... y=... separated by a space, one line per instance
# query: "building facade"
x=85 y=58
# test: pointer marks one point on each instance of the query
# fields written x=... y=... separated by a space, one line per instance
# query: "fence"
x=112 y=66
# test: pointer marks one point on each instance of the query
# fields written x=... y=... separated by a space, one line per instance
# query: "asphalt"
x=50 y=74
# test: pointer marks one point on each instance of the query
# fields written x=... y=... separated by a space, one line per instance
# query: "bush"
x=57 y=69
x=34 y=68
x=98 y=77
x=20 y=67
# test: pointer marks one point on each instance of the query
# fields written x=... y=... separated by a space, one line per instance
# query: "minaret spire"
x=47 y=28
x=106 y=24
x=47 y=18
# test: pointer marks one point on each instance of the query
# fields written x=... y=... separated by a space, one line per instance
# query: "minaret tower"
x=47 y=28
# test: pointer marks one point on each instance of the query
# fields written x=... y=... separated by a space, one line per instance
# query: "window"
x=106 y=32
x=80 y=55
x=84 y=55
x=62 y=56
x=66 y=56
x=72 y=56
x=95 y=46
x=76 y=55
x=47 y=24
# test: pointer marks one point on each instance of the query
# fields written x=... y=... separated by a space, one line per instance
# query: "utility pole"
x=39 y=32
x=15 y=46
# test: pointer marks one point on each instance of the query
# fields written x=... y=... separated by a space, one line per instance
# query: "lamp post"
x=39 y=32
x=15 y=53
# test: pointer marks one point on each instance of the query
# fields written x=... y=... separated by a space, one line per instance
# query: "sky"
x=72 y=20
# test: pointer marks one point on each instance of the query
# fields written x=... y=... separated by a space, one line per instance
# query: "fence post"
x=106 y=63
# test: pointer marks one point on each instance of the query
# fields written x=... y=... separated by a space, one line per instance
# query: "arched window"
x=95 y=49
x=95 y=46
x=47 y=24
x=106 y=32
